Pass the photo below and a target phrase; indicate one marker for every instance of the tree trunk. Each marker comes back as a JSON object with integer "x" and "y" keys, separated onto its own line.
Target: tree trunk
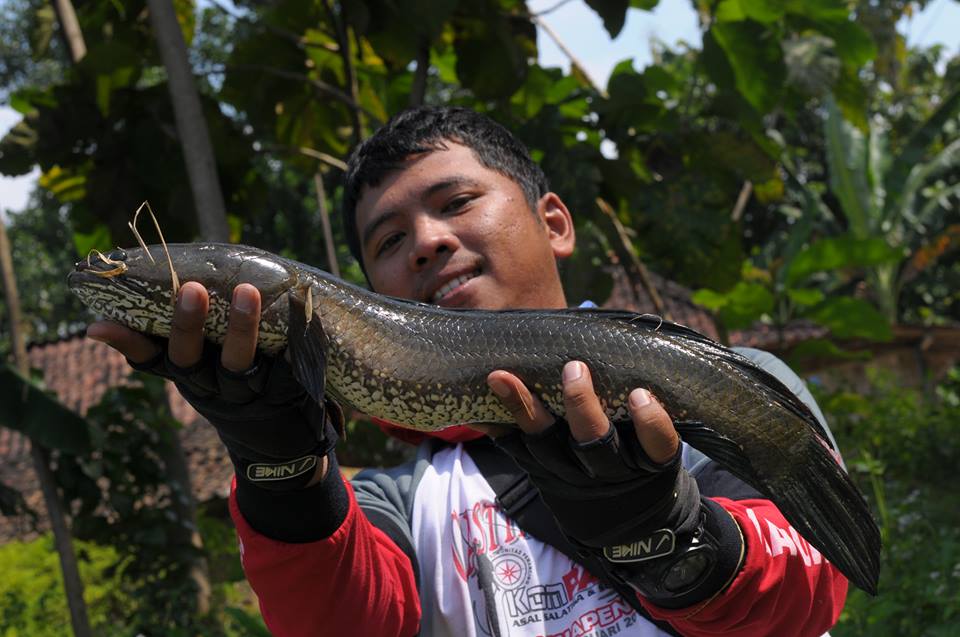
{"x": 212, "y": 217}
{"x": 72, "y": 585}
{"x": 191, "y": 127}
{"x": 70, "y": 28}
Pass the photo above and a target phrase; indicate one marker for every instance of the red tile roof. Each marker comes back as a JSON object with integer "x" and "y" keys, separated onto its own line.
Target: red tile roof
{"x": 80, "y": 371}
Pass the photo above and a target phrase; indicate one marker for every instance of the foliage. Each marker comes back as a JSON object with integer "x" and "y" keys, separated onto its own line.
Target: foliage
{"x": 122, "y": 495}
{"x": 841, "y": 134}
{"x": 32, "y": 601}
{"x": 872, "y": 210}
{"x": 902, "y": 449}
{"x": 25, "y": 407}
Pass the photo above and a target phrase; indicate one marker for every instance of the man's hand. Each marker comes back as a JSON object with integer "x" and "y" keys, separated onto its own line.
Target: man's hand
{"x": 607, "y": 485}
{"x": 186, "y": 335}
{"x": 259, "y": 410}
{"x": 585, "y": 415}
{"x": 619, "y": 491}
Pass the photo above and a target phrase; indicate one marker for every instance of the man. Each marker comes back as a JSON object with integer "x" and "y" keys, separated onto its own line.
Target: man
{"x": 444, "y": 206}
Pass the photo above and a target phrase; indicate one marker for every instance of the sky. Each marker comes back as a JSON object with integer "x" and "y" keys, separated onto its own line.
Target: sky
{"x": 672, "y": 22}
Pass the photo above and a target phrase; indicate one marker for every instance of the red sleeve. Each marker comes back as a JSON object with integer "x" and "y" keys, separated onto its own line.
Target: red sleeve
{"x": 355, "y": 582}
{"x": 786, "y": 587}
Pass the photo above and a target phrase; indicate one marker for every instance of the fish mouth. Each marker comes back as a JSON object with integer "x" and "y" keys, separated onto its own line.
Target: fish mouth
{"x": 452, "y": 284}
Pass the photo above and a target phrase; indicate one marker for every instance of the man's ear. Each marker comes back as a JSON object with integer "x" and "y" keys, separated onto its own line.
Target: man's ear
{"x": 559, "y": 223}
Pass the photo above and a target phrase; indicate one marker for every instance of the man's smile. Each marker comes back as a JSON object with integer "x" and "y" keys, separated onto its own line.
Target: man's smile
{"x": 452, "y": 285}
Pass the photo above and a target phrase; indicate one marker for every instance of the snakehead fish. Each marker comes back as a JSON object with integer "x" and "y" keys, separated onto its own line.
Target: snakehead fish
{"x": 425, "y": 367}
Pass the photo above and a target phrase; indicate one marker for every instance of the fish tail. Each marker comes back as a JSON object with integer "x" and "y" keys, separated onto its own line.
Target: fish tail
{"x": 826, "y": 508}
{"x": 818, "y": 498}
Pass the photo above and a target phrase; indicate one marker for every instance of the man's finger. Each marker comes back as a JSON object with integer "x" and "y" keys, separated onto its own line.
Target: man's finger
{"x": 240, "y": 343}
{"x": 653, "y": 425}
{"x": 528, "y": 412}
{"x": 134, "y": 345}
{"x": 587, "y": 419}
{"x": 186, "y": 331}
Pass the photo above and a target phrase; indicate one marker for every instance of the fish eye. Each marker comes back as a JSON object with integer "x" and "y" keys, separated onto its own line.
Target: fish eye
{"x": 117, "y": 255}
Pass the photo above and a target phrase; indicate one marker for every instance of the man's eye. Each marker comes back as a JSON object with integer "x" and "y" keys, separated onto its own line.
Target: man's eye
{"x": 388, "y": 243}
{"x": 457, "y": 203}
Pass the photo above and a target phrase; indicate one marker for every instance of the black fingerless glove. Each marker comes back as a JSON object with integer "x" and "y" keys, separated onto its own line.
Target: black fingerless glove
{"x": 643, "y": 518}
{"x": 275, "y": 433}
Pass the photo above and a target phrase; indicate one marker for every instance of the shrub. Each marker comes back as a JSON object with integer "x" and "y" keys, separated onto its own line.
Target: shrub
{"x": 32, "y": 600}
{"x": 903, "y": 449}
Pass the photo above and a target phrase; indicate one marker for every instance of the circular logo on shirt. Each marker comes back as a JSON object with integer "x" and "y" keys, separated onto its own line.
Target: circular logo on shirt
{"x": 511, "y": 570}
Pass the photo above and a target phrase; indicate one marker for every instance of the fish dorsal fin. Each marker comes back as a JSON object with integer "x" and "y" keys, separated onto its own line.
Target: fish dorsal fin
{"x": 770, "y": 384}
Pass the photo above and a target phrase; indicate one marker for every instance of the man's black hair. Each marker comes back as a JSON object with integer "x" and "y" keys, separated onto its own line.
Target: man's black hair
{"x": 429, "y": 128}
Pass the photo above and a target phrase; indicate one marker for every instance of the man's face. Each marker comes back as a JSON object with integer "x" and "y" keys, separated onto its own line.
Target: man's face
{"x": 444, "y": 229}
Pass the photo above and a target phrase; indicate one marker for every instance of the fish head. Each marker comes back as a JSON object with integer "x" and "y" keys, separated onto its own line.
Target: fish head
{"x": 136, "y": 288}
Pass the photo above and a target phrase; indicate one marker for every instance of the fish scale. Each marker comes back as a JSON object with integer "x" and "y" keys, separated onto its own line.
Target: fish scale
{"x": 425, "y": 367}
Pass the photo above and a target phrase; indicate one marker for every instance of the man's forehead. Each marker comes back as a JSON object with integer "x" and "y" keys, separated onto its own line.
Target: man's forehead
{"x": 425, "y": 174}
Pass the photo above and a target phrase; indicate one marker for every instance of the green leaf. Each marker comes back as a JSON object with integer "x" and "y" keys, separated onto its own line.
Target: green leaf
{"x": 920, "y": 140}
{"x": 730, "y": 11}
{"x": 841, "y": 252}
{"x": 41, "y": 32}
{"x": 764, "y": 11}
{"x": 819, "y": 10}
{"x": 851, "y": 95}
{"x": 820, "y": 349}
{"x": 756, "y": 59}
{"x": 492, "y": 55}
{"x": 805, "y": 296}
{"x": 27, "y": 409}
{"x": 612, "y": 12}
{"x": 847, "y": 317}
{"x": 17, "y": 150}
{"x": 739, "y": 307}
{"x": 847, "y": 159}
{"x": 947, "y": 159}
{"x": 97, "y": 239}
{"x": 64, "y": 184}
{"x": 853, "y": 43}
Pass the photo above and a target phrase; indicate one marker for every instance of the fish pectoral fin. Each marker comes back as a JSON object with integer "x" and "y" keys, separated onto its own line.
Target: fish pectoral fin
{"x": 718, "y": 447}
{"x": 307, "y": 345}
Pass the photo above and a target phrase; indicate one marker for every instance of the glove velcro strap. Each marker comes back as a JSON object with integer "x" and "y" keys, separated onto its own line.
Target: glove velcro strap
{"x": 702, "y": 564}
{"x": 297, "y": 515}
{"x": 278, "y": 471}
{"x": 278, "y": 475}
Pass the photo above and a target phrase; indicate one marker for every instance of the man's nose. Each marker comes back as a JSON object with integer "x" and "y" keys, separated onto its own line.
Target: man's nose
{"x": 433, "y": 237}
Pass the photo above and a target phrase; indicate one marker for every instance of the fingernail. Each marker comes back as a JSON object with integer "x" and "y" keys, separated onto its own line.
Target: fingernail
{"x": 96, "y": 337}
{"x": 572, "y": 371}
{"x": 639, "y": 398}
{"x": 499, "y": 387}
{"x": 189, "y": 299}
{"x": 242, "y": 300}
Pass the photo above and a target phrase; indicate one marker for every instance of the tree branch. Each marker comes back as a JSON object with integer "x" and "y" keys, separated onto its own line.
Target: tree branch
{"x": 322, "y": 87}
{"x": 419, "y": 89}
{"x": 642, "y": 276}
{"x": 344, "y": 43}
{"x": 295, "y": 38}
{"x": 325, "y": 222}
{"x": 70, "y": 28}
{"x": 563, "y": 47}
{"x": 742, "y": 200}
{"x": 329, "y": 160}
